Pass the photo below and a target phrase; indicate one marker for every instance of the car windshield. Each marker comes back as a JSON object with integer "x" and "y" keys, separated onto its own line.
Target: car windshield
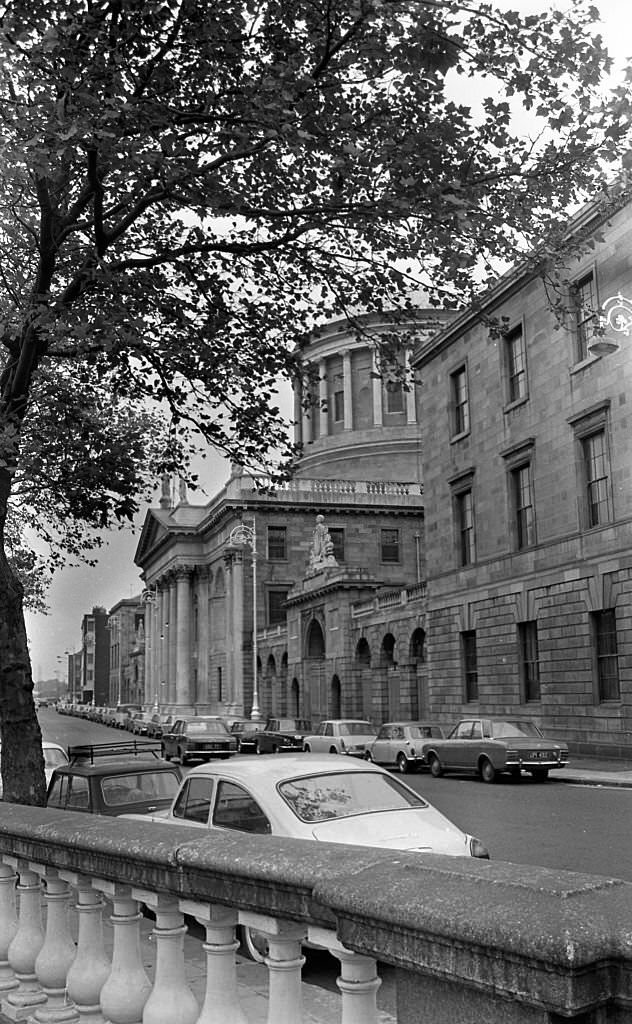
{"x": 216, "y": 727}
{"x": 137, "y": 786}
{"x": 54, "y": 757}
{"x": 356, "y": 729}
{"x": 315, "y": 798}
{"x": 515, "y": 729}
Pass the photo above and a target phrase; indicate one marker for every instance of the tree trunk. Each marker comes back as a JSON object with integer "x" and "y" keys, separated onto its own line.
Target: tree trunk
{"x": 22, "y": 760}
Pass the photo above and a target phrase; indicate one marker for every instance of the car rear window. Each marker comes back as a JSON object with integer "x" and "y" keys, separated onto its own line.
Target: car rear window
{"x": 216, "y": 728}
{"x": 315, "y": 798}
{"x": 137, "y": 786}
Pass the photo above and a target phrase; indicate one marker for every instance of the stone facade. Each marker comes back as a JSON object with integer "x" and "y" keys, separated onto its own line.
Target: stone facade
{"x": 528, "y": 498}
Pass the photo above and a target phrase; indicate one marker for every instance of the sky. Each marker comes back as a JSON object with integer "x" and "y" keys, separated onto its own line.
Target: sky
{"x": 76, "y": 590}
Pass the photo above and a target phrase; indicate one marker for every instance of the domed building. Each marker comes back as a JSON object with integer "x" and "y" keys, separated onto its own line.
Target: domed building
{"x": 308, "y": 602}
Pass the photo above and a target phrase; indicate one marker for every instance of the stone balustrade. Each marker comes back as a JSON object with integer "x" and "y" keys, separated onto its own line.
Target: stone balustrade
{"x": 470, "y": 940}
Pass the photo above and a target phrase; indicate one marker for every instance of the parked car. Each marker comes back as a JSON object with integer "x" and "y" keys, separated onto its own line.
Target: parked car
{"x": 238, "y": 726}
{"x": 399, "y": 744}
{"x": 139, "y": 722}
{"x": 312, "y": 796}
{"x": 201, "y": 737}
{"x": 123, "y": 712}
{"x": 279, "y": 734}
{"x": 54, "y": 756}
{"x": 489, "y": 746}
{"x": 158, "y": 723}
{"x": 340, "y": 736}
{"x": 112, "y": 778}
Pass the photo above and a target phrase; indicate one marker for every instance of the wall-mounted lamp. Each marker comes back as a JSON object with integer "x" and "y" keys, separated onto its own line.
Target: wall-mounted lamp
{"x": 616, "y": 316}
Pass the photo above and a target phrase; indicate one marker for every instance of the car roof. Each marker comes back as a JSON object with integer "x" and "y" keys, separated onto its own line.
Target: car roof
{"x": 411, "y": 721}
{"x": 364, "y": 721}
{"x": 276, "y": 769}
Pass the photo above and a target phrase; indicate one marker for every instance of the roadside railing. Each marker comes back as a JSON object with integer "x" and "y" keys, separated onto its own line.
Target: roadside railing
{"x": 470, "y": 940}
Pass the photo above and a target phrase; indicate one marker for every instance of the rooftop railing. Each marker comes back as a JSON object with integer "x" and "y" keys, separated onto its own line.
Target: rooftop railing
{"x": 469, "y": 940}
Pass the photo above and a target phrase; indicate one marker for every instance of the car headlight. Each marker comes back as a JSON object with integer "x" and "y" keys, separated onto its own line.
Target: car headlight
{"x": 477, "y": 849}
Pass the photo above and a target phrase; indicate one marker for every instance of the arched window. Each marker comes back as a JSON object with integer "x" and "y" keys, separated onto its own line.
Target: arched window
{"x": 388, "y": 649}
{"x": 315, "y": 641}
{"x": 418, "y": 645}
{"x": 295, "y": 695}
{"x": 363, "y": 652}
{"x": 335, "y": 703}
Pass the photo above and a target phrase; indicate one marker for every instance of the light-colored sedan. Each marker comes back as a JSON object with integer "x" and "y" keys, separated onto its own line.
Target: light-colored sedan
{"x": 315, "y": 797}
{"x": 341, "y": 736}
{"x": 399, "y": 744}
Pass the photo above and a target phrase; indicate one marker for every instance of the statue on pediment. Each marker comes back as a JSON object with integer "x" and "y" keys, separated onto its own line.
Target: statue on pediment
{"x": 321, "y": 555}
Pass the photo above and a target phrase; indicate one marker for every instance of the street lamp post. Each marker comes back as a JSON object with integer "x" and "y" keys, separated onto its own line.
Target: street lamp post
{"x": 243, "y": 534}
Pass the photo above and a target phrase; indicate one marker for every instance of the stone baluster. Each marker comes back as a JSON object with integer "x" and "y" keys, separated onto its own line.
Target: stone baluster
{"x": 25, "y": 946}
{"x": 221, "y": 1001}
{"x": 57, "y": 953}
{"x": 127, "y": 988}
{"x": 91, "y": 967}
{"x": 358, "y": 981}
{"x": 171, "y": 1000}
{"x": 8, "y": 926}
{"x": 284, "y": 962}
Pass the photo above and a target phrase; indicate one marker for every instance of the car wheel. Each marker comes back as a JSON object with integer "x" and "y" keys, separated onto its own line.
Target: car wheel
{"x": 436, "y": 769}
{"x": 275, "y": 748}
{"x": 487, "y": 770}
{"x": 258, "y": 749}
{"x": 252, "y": 944}
{"x": 307, "y": 749}
{"x": 540, "y": 774}
{"x": 402, "y": 764}
{"x": 333, "y": 750}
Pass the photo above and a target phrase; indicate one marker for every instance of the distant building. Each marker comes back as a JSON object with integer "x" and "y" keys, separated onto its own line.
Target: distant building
{"x": 126, "y": 625}
{"x": 95, "y": 658}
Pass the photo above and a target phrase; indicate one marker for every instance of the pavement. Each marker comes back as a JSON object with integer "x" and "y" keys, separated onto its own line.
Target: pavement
{"x": 595, "y": 771}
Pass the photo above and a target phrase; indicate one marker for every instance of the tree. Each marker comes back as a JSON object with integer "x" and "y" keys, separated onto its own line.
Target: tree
{"x": 187, "y": 188}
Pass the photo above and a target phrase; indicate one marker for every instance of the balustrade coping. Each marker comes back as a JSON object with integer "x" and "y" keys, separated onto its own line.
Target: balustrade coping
{"x": 552, "y": 939}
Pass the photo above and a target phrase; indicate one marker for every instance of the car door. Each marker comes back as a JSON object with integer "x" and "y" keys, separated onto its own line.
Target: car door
{"x": 459, "y": 752}
{"x": 170, "y": 738}
{"x": 381, "y": 747}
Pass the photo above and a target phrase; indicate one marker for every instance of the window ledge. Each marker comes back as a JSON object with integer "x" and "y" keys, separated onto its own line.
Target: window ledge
{"x": 459, "y": 437}
{"x": 517, "y": 402}
{"x": 584, "y": 364}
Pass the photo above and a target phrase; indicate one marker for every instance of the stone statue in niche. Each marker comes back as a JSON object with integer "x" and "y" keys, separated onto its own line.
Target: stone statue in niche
{"x": 321, "y": 555}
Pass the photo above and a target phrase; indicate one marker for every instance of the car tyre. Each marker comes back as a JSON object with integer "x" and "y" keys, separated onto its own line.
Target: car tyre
{"x": 402, "y": 764}
{"x": 252, "y": 944}
{"x": 488, "y": 772}
{"x": 257, "y": 747}
{"x": 275, "y": 748}
{"x": 436, "y": 769}
{"x": 307, "y": 749}
{"x": 333, "y": 750}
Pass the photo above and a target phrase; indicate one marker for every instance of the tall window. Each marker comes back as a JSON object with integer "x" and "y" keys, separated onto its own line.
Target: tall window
{"x": 605, "y": 638}
{"x": 470, "y": 669}
{"x": 523, "y": 506}
{"x": 339, "y": 406}
{"x": 529, "y": 660}
{"x": 276, "y": 607}
{"x": 337, "y": 535}
{"x": 394, "y": 396}
{"x": 389, "y": 545}
{"x": 585, "y": 302}
{"x": 516, "y": 365}
{"x": 596, "y": 478}
{"x": 464, "y": 506}
{"x": 277, "y": 550}
{"x": 459, "y": 401}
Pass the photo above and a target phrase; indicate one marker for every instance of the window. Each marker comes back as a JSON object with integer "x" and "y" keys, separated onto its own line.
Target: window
{"x": 470, "y": 672}
{"x": 605, "y": 642}
{"x": 516, "y": 365}
{"x": 389, "y": 543}
{"x": 339, "y": 406}
{"x": 394, "y": 394}
{"x": 337, "y": 535}
{"x": 585, "y": 304}
{"x": 464, "y": 507}
{"x": 276, "y": 607}
{"x": 236, "y": 808}
{"x": 220, "y": 684}
{"x": 459, "y": 402}
{"x": 277, "y": 550}
{"x": 194, "y": 800}
{"x": 529, "y": 663}
{"x": 523, "y": 506}
{"x": 596, "y": 478}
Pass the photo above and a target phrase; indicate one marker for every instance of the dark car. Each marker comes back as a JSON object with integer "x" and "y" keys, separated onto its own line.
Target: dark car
{"x": 114, "y": 778}
{"x": 201, "y": 737}
{"x": 238, "y": 726}
{"x": 279, "y": 734}
{"x": 159, "y": 722}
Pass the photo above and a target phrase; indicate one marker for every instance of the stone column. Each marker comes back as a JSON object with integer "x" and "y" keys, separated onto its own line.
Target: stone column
{"x": 203, "y": 635}
{"x": 57, "y": 953}
{"x": 161, "y": 642}
{"x": 183, "y": 638}
{"x": 171, "y": 1000}
{"x": 322, "y": 395}
{"x": 150, "y": 618}
{"x": 128, "y": 987}
{"x": 170, "y": 641}
{"x": 298, "y": 412}
{"x": 221, "y": 1000}
{"x": 236, "y": 693}
{"x": 91, "y": 967}
{"x": 348, "y": 389}
{"x": 229, "y": 634}
{"x": 25, "y": 946}
{"x": 378, "y": 417}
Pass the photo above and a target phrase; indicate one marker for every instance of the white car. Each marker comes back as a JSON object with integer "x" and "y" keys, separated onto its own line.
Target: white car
{"x": 54, "y": 756}
{"x": 341, "y": 736}
{"x": 318, "y": 797}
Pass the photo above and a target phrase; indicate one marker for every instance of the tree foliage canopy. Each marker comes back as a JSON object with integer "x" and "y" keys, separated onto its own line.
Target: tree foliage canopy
{"x": 186, "y": 188}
